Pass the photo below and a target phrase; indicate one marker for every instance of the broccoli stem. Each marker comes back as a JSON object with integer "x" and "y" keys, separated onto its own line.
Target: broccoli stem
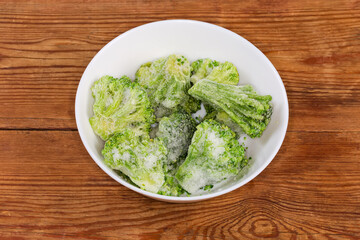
{"x": 243, "y": 105}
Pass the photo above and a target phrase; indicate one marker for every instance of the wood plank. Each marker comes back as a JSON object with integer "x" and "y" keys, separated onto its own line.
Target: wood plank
{"x": 45, "y": 47}
{"x": 50, "y": 188}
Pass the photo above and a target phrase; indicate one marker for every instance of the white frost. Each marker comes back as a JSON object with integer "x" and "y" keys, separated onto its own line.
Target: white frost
{"x": 218, "y": 144}
{"x": 109, "y": 101}
{"x": 217, "y": 152}
{"x": 198, "y": 180}
{"x": 150, "y": 161}
{"x": 116, "y": 155}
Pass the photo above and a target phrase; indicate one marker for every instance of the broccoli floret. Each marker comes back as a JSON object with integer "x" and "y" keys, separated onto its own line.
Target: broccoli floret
{"x": 120, "y": 104}
{"x": 150, "y": 75}
{"x": 161, "y": 111}
{"x": 214, "y": 155}
{"x": 171, "y": 187}
{"x": 190, "y": 104}
{"x": 215, "y": 71}
{"x": 176, "y": 132}
{"x": 244, "y": 106}
{"x": 202, "y": 68}
{"x": 140, "y": 158}
{"x": 224, "y": 118}
{"x": 166, "y": 80}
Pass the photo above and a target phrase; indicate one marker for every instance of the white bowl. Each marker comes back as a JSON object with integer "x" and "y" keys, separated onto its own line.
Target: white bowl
{"x": 194, "y": 40}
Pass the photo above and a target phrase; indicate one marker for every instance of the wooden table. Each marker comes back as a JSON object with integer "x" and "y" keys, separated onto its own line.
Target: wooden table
{"x": 50, "y": 187}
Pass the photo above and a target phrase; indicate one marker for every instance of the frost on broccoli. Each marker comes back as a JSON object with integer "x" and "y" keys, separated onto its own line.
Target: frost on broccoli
{"x": 171, "y": 187}
{"x": 215, "y": 71}
{"x": 214, "y": 155}
{"x": 120, "y": 104}
{"x": 150, "y": 74}
{"x": 224, "y": 118}
{"x": 166, "y": 80}
{"x": 242, "y": 104}
{"x": 190, "y": 104}
{"x": 140, "y": 158}
{"x": 176, "y": 132}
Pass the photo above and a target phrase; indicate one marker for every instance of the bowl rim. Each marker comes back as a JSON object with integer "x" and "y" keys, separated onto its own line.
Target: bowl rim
{"x": 114, "y": 176}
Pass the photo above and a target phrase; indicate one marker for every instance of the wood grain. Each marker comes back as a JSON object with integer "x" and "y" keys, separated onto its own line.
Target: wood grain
{"x": 51, "y": 189}
{"x": 45, "y": 47}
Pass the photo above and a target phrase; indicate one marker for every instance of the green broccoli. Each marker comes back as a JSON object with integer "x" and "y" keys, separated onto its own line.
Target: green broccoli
{"x": 171, "y": 187}
{"x": 120, "y": 104}
{"x": 214, "y": 155}
{"x": 215, "y": 71}
{"x": 166, "y": 80}
{"x": 140, "y": 158}
{"x": 190, "y": 104}
{"x": 244, "y": 106}
{"x": 202, "y": 68}
{"x": 176, "y": 132}
{"x": 224, "y": 118}
{"x": 150, "y": 75}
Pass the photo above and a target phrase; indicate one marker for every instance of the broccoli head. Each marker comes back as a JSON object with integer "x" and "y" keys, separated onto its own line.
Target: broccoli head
{"x": 150, "y": 75}
{"x": 176, "y": 132}
{"x": 242, "y": 104}
{"x": 140, "y": 158}
{"x": 166, "y": 80}
{"x": 120, "y": 104}
{"x": 224, "y": 118}
{"x": 214, "y": 155}
{"x": 215, "y": 71}
{"x": 171, "y": 187}
{"x": 190, "y": 104}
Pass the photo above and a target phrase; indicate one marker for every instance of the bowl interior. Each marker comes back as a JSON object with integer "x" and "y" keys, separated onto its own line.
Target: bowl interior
{"x": 194, "y": 40}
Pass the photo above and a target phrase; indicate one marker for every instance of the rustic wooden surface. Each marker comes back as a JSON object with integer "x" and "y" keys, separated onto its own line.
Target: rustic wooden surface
{"x": 50, "y": 188}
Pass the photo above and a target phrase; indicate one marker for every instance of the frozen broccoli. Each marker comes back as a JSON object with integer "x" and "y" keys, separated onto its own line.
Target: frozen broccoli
{"x": 161, "y": 111}
{"x": 171, "y": 187}
{"x": 140, "y": 158}
{"x": 215, "y": 71}
{"x": 244, "y": 106}
{"x": 150, "y": 75}
{"x": 214, "y": 155}
{"x": 202, "y": 68}
{"x": 120, "y": 104}
{"x": 190, "y": 104}
{"x": 224, "y": 118}
{"x": 166, "y": 80}
{"x": 176, "y": 132}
